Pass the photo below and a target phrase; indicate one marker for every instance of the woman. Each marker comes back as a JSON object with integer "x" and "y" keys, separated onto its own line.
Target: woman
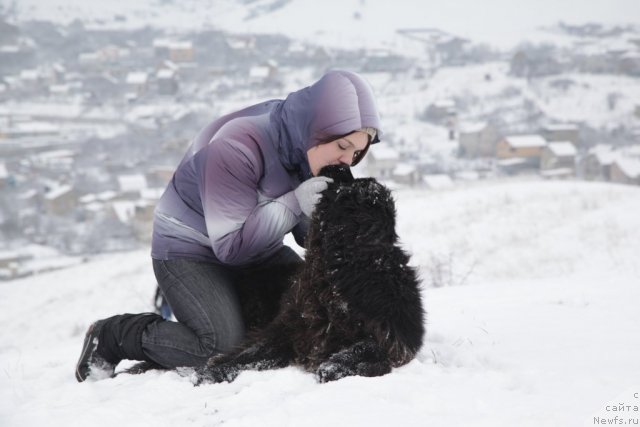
{"x": 247, "y": 179}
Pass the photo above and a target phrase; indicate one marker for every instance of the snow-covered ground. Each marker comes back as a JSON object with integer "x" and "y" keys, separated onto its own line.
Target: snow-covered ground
{"x": 543, "y": 329}
{"x": 489, "y": 87}
{"x": 343, "y": 23}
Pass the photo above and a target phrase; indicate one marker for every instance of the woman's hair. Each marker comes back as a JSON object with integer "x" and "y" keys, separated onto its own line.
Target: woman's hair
{"x": 358, "y": 155}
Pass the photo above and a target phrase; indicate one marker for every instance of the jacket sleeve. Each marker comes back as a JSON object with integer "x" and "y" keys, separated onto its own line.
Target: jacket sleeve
{"x": 241, "y": 226}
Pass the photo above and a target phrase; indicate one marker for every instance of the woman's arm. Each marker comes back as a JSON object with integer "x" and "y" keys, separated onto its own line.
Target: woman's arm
{"x": 242, "y": 228}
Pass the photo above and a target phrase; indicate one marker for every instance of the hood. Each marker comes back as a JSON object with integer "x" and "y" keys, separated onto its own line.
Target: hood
{"x": 339, "y": 103}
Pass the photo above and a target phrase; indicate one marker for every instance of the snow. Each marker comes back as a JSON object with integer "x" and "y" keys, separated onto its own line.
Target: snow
{"x": 166, "y": 74}
{"x": 58, "y": 191}
{"x": 106, "y": 195}
{"x": 185, "y": 45}
{"x": 137, "y": 78}
{"x": 515, "y": 161}
{"x": 604, "y": 154}
{"x": 125, "y": 210}
{"x": 562, "y": 148}
{"x": 87, "y": 198}
{"x": 33, "y": 128}
{"x": 630, "y": 167}
{"x": 383, "y": 152}
{"x": 586, "y": 100}
{"x": 151, "y": 193}
{"x": 542, "y": 332}
{"x": 132, "y": 183}
{"x": 42, "y": 109}
{"x": 558, "y": 172}
{"x": 560, "y": 127}
{"x": 345, "y": 23}
{"x": 404, "y": 169}
{"x": 32, "y": 259}
{"x": 468, "y": 128}
{"x": 437, "y": 181}
{"x": 523, "y": 141}
{"x": 259, "y": 72}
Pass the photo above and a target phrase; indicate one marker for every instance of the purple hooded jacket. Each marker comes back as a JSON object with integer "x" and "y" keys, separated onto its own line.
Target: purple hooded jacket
{"x": 231, "y": 199}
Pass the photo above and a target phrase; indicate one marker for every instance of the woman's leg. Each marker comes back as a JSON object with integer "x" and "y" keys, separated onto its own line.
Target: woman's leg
{"x": 204, "y": 299}
{"x": 204, "y": 302}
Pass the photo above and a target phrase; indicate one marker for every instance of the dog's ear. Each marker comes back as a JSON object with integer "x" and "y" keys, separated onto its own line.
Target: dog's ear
{"x": 341, "y": 174}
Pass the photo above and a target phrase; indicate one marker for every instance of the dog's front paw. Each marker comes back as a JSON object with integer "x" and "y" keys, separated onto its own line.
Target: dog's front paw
{"x": 214, "y": 374}
{"x": 331, "y": 371}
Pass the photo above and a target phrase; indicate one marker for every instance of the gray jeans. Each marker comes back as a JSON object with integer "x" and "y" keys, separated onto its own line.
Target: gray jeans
{"x": 207, "y": 309}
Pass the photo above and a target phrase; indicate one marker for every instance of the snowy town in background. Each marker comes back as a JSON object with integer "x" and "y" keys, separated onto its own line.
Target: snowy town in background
{"x": 94, "y": 118}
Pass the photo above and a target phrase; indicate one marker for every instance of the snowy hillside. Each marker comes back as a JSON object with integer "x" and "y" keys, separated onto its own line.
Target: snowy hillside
{"x": 541, "y": 330}
{"x": 503, "y": 96}
{"x": 341, "y": 23}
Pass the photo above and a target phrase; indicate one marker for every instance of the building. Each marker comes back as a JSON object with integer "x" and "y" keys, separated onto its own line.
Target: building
{"x": 596, "y": 165}
{"x": 562, "y": 132}
{"x": 241, "y": 42}
{"x": 60, "y": 201}
{"x": 519, "y": 154}
{"x": 181, "y": 52}
{"x": 10, "y": 264}
{"x": 558, "y": 159}
{"x": 406, "y": 174}
{"x": 477, "y": 140}
{"x": 625, "y": 171}
{"x": 159, "y": 176}
{"x": 382, "y": 161}
{"x": 263, "y": 74}
{"x": 132, "y": 185}
{"x": 441, "y": 111}
{"x": 629, "y": 63}
{"x": 167, "y": 82}
{"x": 137, "y": 82}
{"x": 4, "y": 176}
{"x": 527, "y": 147}
{"x": 161, "y": 48}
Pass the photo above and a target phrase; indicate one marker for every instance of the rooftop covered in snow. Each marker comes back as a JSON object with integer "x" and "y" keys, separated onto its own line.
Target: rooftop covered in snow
{"x": 523, "y": 141}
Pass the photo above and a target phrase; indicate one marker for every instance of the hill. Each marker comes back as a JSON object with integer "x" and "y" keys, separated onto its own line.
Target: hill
{"x": 336, "y": 23}
{"x": 539, "y": 332}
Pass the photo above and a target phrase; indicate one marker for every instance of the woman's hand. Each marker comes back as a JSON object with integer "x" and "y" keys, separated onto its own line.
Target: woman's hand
{"x": 308, "y": 193}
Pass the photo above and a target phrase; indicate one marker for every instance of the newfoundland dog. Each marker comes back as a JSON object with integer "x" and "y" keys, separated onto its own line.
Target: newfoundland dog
{"x": 352, "y": 308}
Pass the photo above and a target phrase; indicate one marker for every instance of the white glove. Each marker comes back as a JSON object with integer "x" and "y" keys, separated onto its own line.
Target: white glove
{"x": 308, "y": 193}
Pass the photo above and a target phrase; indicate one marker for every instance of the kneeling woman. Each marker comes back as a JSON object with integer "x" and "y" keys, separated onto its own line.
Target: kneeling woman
{"x": 247, "y": 180}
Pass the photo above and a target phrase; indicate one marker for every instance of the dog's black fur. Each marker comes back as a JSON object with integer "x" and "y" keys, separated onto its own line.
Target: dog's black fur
{"x": 354, "y": 306}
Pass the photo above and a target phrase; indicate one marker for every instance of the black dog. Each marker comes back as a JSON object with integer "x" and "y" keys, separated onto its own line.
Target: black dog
{"x": 354, "y": 306}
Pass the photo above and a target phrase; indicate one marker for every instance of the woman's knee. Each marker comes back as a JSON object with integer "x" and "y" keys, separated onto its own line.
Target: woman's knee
{"x": 225, "y": 337}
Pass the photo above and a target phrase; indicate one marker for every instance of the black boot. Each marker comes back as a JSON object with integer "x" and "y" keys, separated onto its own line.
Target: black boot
{"x": 91, "y": 362}
{"x": 111, "y": 340}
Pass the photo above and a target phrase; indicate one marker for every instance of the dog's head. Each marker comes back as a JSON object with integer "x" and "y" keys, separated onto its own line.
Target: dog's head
{"x": 354, "y": 212}
{"x": 341, "y": 174}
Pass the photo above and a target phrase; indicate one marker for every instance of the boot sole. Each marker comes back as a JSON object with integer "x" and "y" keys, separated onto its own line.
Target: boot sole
{"x": 85, "y": 355}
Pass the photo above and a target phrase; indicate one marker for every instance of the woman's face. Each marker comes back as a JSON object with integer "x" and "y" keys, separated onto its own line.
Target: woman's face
{"x": 338, "y": 151}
